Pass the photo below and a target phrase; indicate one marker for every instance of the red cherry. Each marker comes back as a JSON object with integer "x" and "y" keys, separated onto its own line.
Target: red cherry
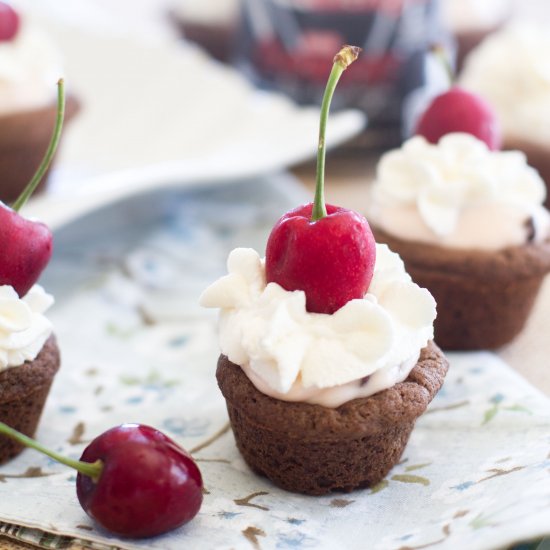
{"x": 326, "y": 251}
{"x": 458, "y": 110}
{"x": 25, "y": 249}
{"x": 26, "y": 245}
{"x": 148, "y": 484}
{"x": 331, "y": 259}
{"x": 132, "y": 479}
{"x": 9, "y": 22}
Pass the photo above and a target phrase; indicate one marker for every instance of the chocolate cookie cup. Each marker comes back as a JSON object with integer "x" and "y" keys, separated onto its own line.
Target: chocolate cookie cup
{"x": 314, "y": 450}
{"x": 24, "y": 139}
{"x": 23, "y": 392}
{"x": 483, "y": 297}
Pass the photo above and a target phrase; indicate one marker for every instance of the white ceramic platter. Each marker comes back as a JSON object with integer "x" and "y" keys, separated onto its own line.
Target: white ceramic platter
{"x": 150, "y": 98}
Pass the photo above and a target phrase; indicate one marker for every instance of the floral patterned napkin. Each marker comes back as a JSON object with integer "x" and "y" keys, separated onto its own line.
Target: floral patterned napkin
{"x": 136, "y": 347}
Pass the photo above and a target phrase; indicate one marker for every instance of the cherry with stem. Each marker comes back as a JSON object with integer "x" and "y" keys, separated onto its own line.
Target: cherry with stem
{"x": 324, "y": 250}
{"x": 26, "y": 245}
{"x": 132, "y": 479}
{"x": 343, "y": 59}
{"x": 458, "y": 110}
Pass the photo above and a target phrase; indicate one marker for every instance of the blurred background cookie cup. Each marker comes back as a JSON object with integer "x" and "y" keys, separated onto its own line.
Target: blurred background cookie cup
{"x": 211, "y": 24}
{"x": 30, "y": 66}
{"x": 24, "y": 138}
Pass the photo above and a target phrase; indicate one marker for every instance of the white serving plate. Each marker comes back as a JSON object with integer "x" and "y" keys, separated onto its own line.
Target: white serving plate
{"x": 149, "y": 98}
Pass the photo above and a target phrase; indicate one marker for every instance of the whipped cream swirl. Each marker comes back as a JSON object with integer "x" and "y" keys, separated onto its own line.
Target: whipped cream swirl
{"x": 295, "y": 355}
{"x": 511, "y": 69}
{"x": 460, "y": 194}
{"x": 23, "y": 328}
{"x": 30, "y": 66}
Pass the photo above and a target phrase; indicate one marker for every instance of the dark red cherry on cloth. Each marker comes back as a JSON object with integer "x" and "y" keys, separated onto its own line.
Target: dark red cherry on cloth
{"x": 331, "y": 259}
{"x": 9, "y": 22}
{"x": 148, "y": 484}
{"x": 26, "y": 245}
{"x": 132, "y": 479}
{"x": 327, "y": 251}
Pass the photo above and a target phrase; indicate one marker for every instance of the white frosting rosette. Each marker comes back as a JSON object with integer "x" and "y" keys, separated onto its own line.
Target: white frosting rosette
{"x": 295, "y": 355}
{"x": 23, "y": 328}
{"x": 458, "y": 193}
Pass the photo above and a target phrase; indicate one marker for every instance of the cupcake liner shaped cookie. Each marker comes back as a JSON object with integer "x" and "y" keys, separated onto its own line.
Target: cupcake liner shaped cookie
{"x": 29, "y": 67}
{"x": 327, "y": 357}
{"x": 29, "y": 356}
{"x": 470, "y": 226}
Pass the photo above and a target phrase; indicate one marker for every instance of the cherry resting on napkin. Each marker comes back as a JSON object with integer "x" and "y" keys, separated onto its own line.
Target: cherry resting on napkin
{"x": 327, "y": 251}
{"x": 9, "y": 22}
{"x": 132, "y": 479}
{"x": 26, "y": 245}
{"x": 458, "y": 110}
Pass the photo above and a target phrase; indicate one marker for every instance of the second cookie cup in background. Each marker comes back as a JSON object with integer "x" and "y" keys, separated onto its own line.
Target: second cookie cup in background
{"x": 483, "y": 297}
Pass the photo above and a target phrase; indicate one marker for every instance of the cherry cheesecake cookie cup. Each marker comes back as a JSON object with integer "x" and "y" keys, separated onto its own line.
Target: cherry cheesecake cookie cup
{"x": 29, "y": 68}
{"x": 324, "y": 402}
{"x": 470, "y": 226}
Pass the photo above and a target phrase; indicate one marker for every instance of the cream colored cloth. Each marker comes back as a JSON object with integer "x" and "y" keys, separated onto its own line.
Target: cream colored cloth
{"x": 137, "y": 347}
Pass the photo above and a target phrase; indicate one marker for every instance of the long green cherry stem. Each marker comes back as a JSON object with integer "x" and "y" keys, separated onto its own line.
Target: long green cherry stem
{"x": 342, "y": 60}
{"x": 50, "y": 152}
{"x": 90, "y": 469}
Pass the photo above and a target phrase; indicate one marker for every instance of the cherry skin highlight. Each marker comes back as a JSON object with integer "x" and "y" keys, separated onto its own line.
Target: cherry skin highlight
{"x": 9, "y": 22}
{"x": 458, "y": 110}
{"x": 331, "y": 259}
{"x": 25, "y": 247}
{"x": 148, "y": 485}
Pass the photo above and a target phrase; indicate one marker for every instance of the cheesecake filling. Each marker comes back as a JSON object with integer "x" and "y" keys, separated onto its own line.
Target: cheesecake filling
{"x": 366, "y": 346}
{"x": 23, "y": 327}
{"x": 459, "y": 194}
